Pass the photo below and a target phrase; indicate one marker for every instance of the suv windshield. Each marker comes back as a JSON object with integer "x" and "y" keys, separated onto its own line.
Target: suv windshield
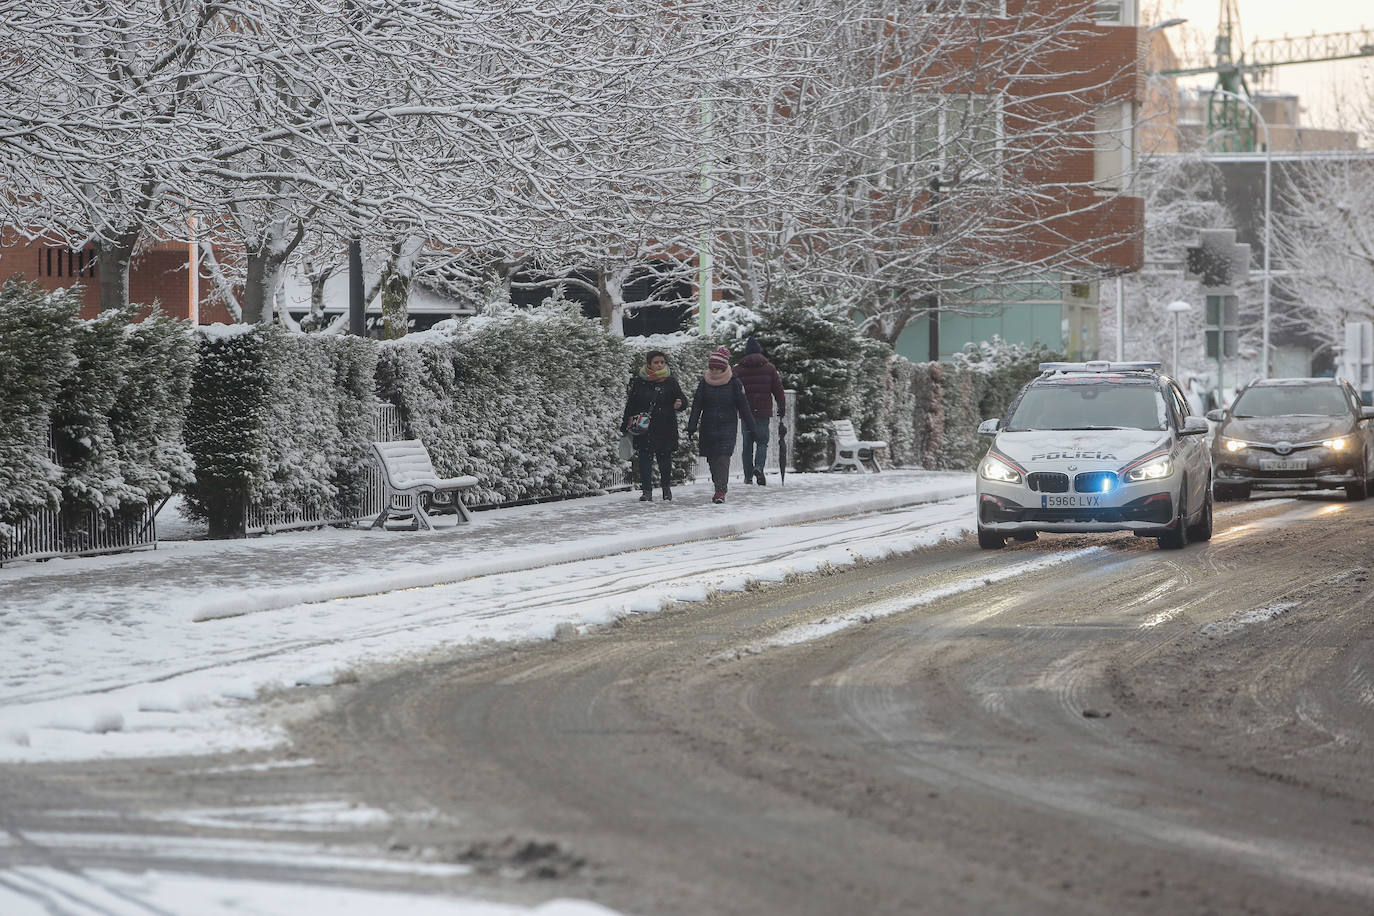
{"x": 1089, "y": 405}
{"x": 1290, "y": 400}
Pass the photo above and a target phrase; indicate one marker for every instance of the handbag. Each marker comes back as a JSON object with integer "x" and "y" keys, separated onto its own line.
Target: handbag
{"x": 639, "y": 423}
{"x": 626, "y": 449}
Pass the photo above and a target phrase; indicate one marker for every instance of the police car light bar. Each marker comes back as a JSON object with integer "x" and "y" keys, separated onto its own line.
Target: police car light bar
{"x": 1099, "y": 365}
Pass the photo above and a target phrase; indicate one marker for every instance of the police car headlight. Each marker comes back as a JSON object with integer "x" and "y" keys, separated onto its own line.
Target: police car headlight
{"x": 1155, "y": 470}
{"x": 1337, "y": 445}
{"x": 1233, "y": 445}
{"x": 1000, "y": 471}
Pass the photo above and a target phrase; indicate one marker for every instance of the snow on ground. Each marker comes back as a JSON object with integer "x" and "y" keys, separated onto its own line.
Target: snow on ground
{"x": 155, "y": 652}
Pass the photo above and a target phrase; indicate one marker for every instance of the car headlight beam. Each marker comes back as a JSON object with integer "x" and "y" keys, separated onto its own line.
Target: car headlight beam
{"x": 1339, "y": 444}
{"x": 999, "y": 471}
{"x": 1234, "y": 445}
{"x": 1154, "y": 470}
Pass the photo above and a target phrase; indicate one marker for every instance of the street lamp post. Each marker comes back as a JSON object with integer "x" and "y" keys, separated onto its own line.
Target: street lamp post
{"x": 1177, "y": 308}
{"x": 1268, "y": 220}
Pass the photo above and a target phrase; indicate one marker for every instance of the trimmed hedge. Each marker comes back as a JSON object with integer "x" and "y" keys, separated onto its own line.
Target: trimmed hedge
{"x": 111, "y": 390}
{"x": 283, "y": 420}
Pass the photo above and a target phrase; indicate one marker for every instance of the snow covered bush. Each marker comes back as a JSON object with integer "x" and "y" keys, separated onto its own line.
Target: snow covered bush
{"x": 277, "y": 419}
{"x": 36, "y": 353}
{"x": 527, "y": 401}
{"x": 118, "y": 419}
{"x": 820, "y": 352}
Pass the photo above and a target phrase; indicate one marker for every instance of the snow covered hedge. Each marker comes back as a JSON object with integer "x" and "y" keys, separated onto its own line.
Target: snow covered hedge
{"x": 112, "y": 391}
{"x": 283, "y": 420}
{"x": 36, "y": 353}
{"x": 526, "y": 400}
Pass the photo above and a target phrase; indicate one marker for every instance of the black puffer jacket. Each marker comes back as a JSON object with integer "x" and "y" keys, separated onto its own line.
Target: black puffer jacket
{"x": 657, "y": 398}
{"x": 714, "y": 409}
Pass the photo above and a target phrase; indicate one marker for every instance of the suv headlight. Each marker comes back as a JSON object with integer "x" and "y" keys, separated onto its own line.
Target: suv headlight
{"x": 1234, "y": 445}
{"x": 1154, "y": 470}
{"x": 1000, "y": 471}
{"x": 1339, "y": 444}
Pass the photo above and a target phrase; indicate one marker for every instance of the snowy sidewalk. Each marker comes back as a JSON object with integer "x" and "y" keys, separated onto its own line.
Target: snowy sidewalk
{"x": 149, "y": 652}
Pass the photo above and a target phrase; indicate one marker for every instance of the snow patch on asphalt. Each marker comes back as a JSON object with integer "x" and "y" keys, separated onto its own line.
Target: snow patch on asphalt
{"x": 880, "y": 609}
{"x": 1242, "y": 619}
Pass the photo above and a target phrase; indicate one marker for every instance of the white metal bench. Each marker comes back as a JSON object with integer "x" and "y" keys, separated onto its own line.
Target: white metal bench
{"x": 853, "y": 452}
{"x": 407, "y": 475}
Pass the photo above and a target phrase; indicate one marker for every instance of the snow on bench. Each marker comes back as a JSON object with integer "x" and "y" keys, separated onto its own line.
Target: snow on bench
{"x": 407, "y": 474}
{"x": 853, "y": 452}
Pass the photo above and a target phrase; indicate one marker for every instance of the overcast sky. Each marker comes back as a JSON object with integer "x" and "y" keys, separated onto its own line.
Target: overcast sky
{"x": 1317, "y": 84}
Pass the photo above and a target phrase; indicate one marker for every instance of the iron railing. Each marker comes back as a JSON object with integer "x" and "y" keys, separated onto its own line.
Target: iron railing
{"x": 387, "y": 426}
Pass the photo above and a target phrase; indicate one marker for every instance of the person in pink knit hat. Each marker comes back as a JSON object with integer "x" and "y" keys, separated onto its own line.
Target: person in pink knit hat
{"x": 718, "y": 407}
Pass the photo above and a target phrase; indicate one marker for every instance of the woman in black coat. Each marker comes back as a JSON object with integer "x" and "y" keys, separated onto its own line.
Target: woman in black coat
{"x": 718, "y": 401}
{"x": 654, "y": 391}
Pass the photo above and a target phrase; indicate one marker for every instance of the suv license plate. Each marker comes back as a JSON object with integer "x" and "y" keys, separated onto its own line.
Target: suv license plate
{"x": 1054, "y": 501}
{"x": 1283, "y": 464}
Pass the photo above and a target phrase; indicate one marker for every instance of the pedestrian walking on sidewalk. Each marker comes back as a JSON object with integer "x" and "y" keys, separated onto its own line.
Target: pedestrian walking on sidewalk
{"x": 718, "y": 401}
{"x": 763, "y": 386}
{"x": 653, "y": 400}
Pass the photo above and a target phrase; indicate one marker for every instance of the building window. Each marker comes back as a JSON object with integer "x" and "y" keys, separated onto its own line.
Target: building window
{"x": 64, "y": 262}
{"x": 1115, "y": 12}
{"x": 969, "y": 8}
{"x": 1114, "y": 147}
{"x": 954, "y": 138}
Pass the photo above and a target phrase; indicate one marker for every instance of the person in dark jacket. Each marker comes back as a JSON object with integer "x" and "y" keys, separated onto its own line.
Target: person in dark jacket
{"x": 719, "y": 399}
{"x": 763, "y": 386}
{"x": 654, "y": 391}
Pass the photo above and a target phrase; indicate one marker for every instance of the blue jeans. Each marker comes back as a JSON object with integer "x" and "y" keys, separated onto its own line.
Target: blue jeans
{"x": 755, "y": 450}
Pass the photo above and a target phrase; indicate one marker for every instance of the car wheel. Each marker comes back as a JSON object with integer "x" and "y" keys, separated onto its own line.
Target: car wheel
{"x": 1358, "y": 491}
{"x": 1178, "y": 538}
{"x": 990, "y": 540}
{"x": 1202, "y": 530}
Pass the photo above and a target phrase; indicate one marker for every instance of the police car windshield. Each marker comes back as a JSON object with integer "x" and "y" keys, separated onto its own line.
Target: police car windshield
{"x": 1291, "y": 400}
{"x": 1089, "y": 404}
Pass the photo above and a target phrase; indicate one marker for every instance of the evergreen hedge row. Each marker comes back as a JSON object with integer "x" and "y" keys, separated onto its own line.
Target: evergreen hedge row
{"x": 111, "y": 391}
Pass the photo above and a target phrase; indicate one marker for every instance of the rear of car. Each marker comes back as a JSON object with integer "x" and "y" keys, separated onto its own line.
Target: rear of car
{"x": 1096, "y": 446}
{"x": 1293, "y": 434}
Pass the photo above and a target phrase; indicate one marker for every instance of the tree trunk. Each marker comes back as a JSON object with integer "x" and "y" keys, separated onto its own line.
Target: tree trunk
{"x": 264, "y": 266}
{"x": 114, "y": 257}
{"x": 610, "y": 299}
{"x": 397, "y": 277}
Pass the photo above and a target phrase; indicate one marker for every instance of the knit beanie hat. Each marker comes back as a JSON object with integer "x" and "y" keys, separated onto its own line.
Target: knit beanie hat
{"x": 720, "y": 359}
{"x": 752, "y": 346}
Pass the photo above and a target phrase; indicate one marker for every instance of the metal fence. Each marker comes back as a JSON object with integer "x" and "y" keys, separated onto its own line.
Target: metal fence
{"x": 387, "y": 426}
{"x": 57, "y": 533}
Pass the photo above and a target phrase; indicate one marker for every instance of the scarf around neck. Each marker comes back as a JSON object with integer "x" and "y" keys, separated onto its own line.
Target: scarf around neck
{"x": 718, "y": 377}
{"x": 655, "y": 375}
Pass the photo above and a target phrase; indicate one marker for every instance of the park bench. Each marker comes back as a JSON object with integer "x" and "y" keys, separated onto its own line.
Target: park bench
{"x": 408, "y": 475}
{"x": 853, "y": 452}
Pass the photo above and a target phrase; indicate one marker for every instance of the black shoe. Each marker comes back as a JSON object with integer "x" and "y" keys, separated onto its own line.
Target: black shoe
{"x": 647, "y": 497}
{"x": 667, "y": 495}
{"x": 761, "y": 481}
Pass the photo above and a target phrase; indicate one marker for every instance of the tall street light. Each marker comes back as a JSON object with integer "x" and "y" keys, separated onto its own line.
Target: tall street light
{"x": 1177, "y": 308}
{"x": 1268, "y": 219}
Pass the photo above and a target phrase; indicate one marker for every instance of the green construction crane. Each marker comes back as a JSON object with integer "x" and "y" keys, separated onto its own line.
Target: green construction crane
{"x": 1230, "y": 123}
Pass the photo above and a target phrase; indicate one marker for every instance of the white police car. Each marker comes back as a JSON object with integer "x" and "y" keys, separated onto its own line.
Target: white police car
{"x": 1096, "y": 446}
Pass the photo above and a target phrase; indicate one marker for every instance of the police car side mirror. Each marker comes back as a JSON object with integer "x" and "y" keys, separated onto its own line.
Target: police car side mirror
{"x": 989, "y": 427}
{"x": 1194, "y": 426}
{"x": 1216, "y": 416}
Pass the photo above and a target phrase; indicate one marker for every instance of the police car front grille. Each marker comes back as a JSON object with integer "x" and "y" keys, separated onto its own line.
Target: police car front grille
{"x": 1095, "y": 482}
{"x": 1046, "y": 482}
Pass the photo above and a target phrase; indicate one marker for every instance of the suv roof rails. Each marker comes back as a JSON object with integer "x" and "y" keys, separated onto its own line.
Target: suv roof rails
{"x": 1100, "y": 365}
